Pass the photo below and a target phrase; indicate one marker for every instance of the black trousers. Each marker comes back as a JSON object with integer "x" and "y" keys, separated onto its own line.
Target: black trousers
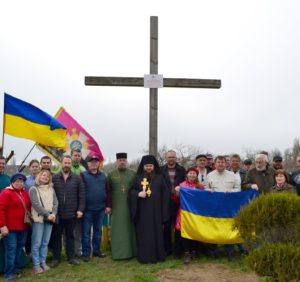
{"x": 58, "y": 229}
{"x": 189, "y": 245}
{"x": 178, "y": 244}
{"x": 28, "y": 241}
{"x": 168, "y": 237}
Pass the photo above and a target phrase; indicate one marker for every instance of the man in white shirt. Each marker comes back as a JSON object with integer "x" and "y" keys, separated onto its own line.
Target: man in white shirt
{"x": 222, "y": 180}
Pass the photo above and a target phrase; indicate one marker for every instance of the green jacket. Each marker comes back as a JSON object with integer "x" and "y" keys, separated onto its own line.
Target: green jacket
{"x": 4, "y": 181}
{"x": 264, "y": 179}
{"x": 77, "y": 169}
{"x": 286, "y": 188}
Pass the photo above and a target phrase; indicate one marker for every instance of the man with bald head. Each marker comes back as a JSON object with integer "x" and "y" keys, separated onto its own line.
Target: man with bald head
{"x": 173, "y": 174}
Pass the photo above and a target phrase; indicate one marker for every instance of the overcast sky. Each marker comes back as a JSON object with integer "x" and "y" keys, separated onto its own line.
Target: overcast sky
{"x": 48, "y": 47}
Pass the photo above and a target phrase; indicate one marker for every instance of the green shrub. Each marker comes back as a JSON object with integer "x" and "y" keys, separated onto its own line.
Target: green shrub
{"x": 271, "y": 218}
{"x": 279, "y": 261}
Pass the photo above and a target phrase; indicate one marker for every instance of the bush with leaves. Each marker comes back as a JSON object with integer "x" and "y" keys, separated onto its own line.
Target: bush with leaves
{"x": 270, "y": 226}
{"x": 279, "y": 261}
{"x": 271, "y": 218}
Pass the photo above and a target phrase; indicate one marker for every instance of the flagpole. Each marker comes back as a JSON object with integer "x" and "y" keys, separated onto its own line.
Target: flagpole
{"x": 2, "y": 145}
{"x": 3, "y": 123}
{"x": 20, "y": 166}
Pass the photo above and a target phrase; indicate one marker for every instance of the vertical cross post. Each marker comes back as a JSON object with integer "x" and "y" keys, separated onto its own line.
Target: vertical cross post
{"x": 153, "y": 91}
{"x": 153, "y": 95}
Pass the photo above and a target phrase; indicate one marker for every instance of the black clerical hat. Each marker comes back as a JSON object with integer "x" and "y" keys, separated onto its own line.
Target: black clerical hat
{"x": 121, "y": 156}
{"x": 148, "y": 159}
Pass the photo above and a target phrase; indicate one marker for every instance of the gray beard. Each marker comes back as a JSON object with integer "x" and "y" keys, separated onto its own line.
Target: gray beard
{"x": 261, "y": 169}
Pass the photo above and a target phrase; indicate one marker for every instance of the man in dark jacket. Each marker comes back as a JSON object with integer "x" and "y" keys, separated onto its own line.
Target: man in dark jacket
{"x": 70, "y": 193}
{"x": 174, "y": 174}
{"x": 261, "y": 177}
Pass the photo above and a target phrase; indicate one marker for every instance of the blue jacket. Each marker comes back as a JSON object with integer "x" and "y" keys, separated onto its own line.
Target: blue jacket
{"x": 95, "y": 191}
{"x": 295, "y": 179}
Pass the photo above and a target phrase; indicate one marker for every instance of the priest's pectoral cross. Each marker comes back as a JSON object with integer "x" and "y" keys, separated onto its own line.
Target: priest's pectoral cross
{"x": 148, "y": 192}
{"x": 123, "y": 189}
{"x": 145, "y": 184}
{"x": 146, "y": 187}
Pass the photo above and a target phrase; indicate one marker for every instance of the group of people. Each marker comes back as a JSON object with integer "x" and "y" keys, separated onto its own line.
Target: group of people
{"x": 43, "y": 208}
{"x": 144, "y": 206}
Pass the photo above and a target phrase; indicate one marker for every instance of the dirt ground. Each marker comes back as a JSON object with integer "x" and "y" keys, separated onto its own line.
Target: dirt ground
{"x": 206, "y": 273}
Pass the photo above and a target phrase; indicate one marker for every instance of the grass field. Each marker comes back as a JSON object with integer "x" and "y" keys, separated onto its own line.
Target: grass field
{"x": 105, "y": 269}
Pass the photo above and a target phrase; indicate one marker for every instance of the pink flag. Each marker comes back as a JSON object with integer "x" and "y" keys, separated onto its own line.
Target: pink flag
{"x": 77, "y": 137}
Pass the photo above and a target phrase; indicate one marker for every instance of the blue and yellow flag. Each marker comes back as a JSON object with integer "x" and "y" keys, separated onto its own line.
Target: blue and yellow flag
{"x": 24, "y": 120}
{"x": 209, "y": 216}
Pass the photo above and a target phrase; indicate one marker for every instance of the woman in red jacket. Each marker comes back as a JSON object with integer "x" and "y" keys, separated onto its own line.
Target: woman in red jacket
{"x": 13, "y": 202}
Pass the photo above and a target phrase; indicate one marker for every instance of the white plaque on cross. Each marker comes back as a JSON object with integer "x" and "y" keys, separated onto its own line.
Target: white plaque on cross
{"x": 153, "y": 81}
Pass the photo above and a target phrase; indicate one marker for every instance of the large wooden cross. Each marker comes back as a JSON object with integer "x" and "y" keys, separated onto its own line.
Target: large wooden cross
{"x": 139, "y": 81}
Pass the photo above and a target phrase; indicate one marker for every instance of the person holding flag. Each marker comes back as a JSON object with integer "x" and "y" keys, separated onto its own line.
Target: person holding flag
{"x": 222, "y": 180}
{"x": 191, "y": 182}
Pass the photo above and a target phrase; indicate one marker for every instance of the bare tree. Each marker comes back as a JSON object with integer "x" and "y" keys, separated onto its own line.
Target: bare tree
{"x": 296, "y": 149}
{"x": 186, "y": 154}
{"x": 273, "y": 153}
{"x": 288, "y": 160}
{"x": 250, "y": 153}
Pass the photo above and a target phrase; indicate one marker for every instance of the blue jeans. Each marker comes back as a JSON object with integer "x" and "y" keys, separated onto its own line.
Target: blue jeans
{"x": 41, "y": 233}
{"x": 14, "y": 242}
{"x": 91, "y": 219}
{"x": 229, "y": 249}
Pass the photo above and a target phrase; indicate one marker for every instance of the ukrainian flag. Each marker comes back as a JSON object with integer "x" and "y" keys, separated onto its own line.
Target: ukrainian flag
{"x": 209, "y": 216}
{"x": 24, "y": 120}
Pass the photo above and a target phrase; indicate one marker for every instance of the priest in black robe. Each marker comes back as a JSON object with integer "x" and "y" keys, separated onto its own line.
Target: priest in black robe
{"x": 149, "y": 206}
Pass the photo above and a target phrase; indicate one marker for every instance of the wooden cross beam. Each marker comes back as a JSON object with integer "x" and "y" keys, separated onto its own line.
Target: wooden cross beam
{"x": 139, "y": 82}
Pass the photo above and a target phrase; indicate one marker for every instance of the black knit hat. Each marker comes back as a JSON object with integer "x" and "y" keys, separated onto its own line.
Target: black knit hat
{"x": 17, "y": 176}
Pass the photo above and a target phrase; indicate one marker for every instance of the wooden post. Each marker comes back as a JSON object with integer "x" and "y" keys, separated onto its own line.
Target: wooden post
{"x": 153, "y": 91}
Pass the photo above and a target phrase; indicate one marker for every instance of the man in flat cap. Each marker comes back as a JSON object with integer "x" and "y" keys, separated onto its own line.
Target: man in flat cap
{"x": 210, "y": 162}
{"x": 277, "y": 162}
{"x": 123, "y": 244}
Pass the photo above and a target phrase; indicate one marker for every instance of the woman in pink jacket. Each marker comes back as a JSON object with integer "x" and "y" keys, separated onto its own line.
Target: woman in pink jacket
{"x": 191, "y": 182}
